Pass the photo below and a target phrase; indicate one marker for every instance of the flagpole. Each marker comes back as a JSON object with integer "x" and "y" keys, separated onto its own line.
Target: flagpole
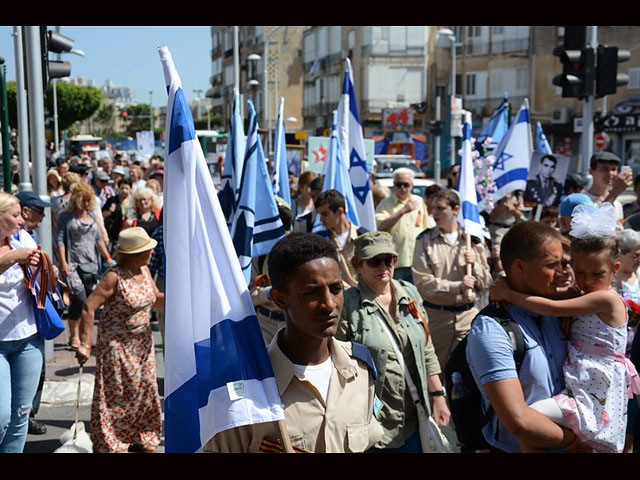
{"x": 469, "y": 265}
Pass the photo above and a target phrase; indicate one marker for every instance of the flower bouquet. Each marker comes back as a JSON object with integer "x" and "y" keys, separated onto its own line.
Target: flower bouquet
{"x": 634, "y": 313}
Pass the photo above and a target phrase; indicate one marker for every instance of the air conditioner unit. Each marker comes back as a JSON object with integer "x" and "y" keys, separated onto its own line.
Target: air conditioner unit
{"x": 560, "y": 115}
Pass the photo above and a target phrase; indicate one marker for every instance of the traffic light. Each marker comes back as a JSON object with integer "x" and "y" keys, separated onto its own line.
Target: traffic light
{"x": 56, "y": 43}
{"x": 607, "y": 76}
{"x": 578, "y": 64}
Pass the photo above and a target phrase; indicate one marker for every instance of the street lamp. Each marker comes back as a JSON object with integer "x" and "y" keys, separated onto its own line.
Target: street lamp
{"x": 448, "y": 34}
{"x": 291, "y": 120}
{"x": 265, "y": 86}
{"x": 253, "y": 83}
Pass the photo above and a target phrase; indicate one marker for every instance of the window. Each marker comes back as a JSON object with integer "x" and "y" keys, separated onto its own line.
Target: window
{"x": 634, "y": 78}
{"x": 471, "y": 84}
{"x": 474, "y": 32}
{"x": 522, "y": 78}
{"x": 351, "y": 39}
{"x": 496, "y": 30}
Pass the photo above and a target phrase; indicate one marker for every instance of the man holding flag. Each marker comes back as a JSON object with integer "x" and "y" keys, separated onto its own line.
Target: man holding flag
{"x": 448, "y": 269}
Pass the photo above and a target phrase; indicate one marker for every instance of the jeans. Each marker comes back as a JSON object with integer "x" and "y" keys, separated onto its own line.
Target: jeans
{"x": 20, "y": 366}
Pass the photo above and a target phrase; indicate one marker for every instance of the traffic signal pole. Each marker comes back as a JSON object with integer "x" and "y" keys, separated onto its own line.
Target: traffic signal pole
{"x": 23, "y": 116}
{"x": 587, "y": 115}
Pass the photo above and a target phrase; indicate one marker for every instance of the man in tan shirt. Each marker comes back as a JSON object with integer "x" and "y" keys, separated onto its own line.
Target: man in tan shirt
{"x": 331, "y": 206}
{"x": 439, "y": 272}
{"x": 326, "y": 386}
{"x": 404, "y": 216}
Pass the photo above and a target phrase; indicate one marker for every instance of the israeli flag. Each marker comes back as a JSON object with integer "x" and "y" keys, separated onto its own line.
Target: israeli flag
{"x": 352, "y": 141}
{"x": 280, "y": 168}
{"x": 256, "y": 225}
{"x": 542, "y": 145}
{"x": 469, "y": 216}
{"x": 496, "y": 128}
{"x": 217, "y": 370}
{"x": 336, "y": 177}
{"x": 233, "y": 161}
{"x": 513, "y": 155}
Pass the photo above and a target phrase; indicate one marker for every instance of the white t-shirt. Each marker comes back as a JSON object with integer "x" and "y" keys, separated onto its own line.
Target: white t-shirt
{"x": 343, "y": 237}
{"x": 616, "y": 204}
{"x": 452, "y": 237}
{"x": 317, "y": 375}
{"x": 16, "y": 306}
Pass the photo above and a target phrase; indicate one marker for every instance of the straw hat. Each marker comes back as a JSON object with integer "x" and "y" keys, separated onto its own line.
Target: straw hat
{"x": 135, "y": 240}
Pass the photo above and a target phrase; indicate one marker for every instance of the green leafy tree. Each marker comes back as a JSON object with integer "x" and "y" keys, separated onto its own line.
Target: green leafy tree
{"x": 75, "y": 103}
{"x": 137, "y": 119}
{"x": 12, "y": 98}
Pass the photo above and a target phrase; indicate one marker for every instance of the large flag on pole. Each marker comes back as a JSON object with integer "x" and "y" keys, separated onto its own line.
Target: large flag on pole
{"x": 542, "y": 145}
{"x": 217, "y": 370}
{"x": 256, "y": 226}
{"x": 469, "y": 216}
{"x": 352, "y": 141}
{"x": 336, "y": 177}
{"x": 497, "y": 126}
{"x": 233, "y": 161}
{"x": 513, "y": 155}
{"x": 280, "y": 168}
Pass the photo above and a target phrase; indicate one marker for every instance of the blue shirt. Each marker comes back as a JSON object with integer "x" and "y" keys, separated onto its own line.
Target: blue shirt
{"x": 490, "y": 358}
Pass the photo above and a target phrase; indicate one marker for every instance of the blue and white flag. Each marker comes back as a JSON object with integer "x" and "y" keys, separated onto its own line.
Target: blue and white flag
{"x": 336, "y": 177}
{"x": 256, "y": 225}
{"x": 542, "y": 145}
{"x": 469, "y": 216}
{"x": 497, "y": 126}
{"x": 352, "y": 141}
{"x": 233, "y": 161}
{"x": 513, "y": 155}
{"x": 280, "y": 168}
{"x": 217, "y": 370}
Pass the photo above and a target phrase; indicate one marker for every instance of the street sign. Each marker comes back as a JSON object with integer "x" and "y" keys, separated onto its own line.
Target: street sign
{"x": 600, "y": 141}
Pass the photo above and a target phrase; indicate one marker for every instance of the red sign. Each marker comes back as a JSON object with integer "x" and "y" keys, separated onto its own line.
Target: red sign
{"x": 600, "y": 141}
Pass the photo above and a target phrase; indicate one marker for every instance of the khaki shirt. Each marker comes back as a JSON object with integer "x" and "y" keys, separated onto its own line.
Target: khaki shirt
{"x": 405, "y": 231}
{"x": 359, "y": 323}
{"x": 345, "y": 254}
{"x": 439, "y": 266}
{"x": 269, "y": 324}
{"x": 345, "y": 423}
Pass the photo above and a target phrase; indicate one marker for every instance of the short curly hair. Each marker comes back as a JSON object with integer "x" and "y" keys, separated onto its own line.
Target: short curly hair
{"x": 293, "y": 251}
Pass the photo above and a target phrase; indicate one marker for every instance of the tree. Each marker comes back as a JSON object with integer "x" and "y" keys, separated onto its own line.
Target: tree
{"x": 12, "y": 99}
{"x": 137, "y": 119}
{"x": 75, "y": 103}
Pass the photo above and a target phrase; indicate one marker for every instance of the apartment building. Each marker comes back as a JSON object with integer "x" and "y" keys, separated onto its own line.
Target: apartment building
{"x": 389, "y": 68}
{"x": 492, "y": 60}
{"x": 284, "y": 72}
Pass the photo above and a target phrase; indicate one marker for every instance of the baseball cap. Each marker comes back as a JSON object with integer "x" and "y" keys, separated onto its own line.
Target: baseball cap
{"x": 371, "y": 244}
{"x": 31, "y": 199}
{"x": 604, "y": 157}
{"x": 572, "y": 201}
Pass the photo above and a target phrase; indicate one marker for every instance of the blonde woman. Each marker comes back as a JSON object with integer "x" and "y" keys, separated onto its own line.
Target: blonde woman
{"x": 126, "y": 406}
{"x": 147, "y": 211}
{"x": 21, "y": 349}
{"x": 156, "y": 186}
{"x": 76, "y": 239}
{"x": 136, "y": 175}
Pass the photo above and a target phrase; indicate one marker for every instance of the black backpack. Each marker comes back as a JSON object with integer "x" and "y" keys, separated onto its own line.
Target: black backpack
{"x": 465, "y": 399}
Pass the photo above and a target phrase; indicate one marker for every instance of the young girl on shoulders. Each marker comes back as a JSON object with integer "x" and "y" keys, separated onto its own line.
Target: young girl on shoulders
{"x": 598, "y": 377}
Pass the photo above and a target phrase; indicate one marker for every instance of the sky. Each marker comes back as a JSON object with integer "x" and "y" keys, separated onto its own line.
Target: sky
{"x": 128, "y": 56}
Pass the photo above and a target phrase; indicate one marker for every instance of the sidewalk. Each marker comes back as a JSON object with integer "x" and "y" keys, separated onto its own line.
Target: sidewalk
{"x": 57, "y": 406}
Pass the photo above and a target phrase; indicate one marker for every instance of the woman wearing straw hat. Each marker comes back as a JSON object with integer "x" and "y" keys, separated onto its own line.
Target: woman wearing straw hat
{"x": 126, "y": 406}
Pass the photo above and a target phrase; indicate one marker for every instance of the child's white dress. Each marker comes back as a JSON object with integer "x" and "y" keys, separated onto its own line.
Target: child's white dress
{"x": 599, "y": 379}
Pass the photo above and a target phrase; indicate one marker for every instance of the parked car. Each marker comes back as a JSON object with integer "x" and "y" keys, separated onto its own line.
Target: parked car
{"x": 419, "y": 184}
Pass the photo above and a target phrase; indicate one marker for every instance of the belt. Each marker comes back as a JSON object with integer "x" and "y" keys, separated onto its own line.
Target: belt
{"x": 449, "y": 308}
{"x": 279, "y": 316}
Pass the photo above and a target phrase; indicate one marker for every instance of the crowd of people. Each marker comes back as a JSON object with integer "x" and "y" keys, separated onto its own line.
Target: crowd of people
{"x": 361, "y": 326}
{"x": 103, "y": 215}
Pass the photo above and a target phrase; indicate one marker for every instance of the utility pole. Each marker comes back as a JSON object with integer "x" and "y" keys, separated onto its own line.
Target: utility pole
{"x": 23, "y": 115}
{"x": 4, "y": 119}
{"x": 265, "y": 86}
{"x": 587, "y": 115}
{"x": 55, "y": 103}
{"x": 236, "y": 67}
{"x": 436, "y": 162}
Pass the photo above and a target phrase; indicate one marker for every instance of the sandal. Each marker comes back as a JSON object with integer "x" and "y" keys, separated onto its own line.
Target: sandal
{"x": 74, "y": 343}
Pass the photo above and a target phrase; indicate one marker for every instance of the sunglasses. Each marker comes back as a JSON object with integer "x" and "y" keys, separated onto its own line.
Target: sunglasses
{"x": 402, "y": 185}
{"x": 388, "y": 260}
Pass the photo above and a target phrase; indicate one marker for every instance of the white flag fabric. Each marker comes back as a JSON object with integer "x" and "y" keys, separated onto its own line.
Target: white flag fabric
{"x": 469, "y": 216}
{"x": 217, "y": 370}
{"x": 280, "y": 169}
{"x": 352, "y": 141}
{"x": 336, "y": 177}
{"x": 233, "y": 162}
{"x": 513, "y": 155}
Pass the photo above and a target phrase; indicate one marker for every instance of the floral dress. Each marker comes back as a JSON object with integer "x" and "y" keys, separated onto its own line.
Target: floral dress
{"x": 599, "y": 379}
{"x": 126, "y": 405}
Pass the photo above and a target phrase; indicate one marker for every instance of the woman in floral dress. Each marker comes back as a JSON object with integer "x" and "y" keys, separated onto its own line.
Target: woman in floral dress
{"x": 126, "y": 406}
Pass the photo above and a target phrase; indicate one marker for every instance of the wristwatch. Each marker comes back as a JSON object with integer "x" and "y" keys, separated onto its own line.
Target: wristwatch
{"x": 439, "y": 393}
